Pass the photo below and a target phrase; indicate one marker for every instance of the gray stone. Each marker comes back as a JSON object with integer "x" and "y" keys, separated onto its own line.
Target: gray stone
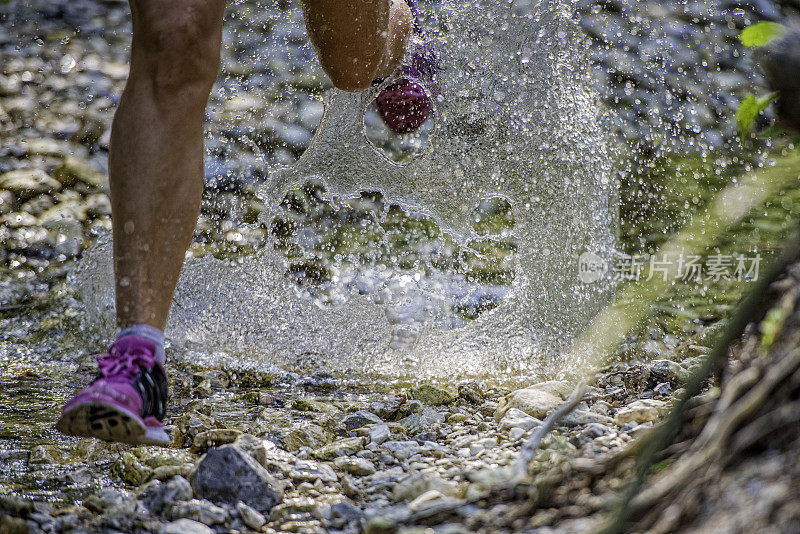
{"x": 354, "y": 466}
{"x": 585, "y": 417}
{"x": 251, "y": 518}
{"x": 422, "y": 421}
{"x": 379, "y": 433}
{"x": 156, "y": 496}
{"x": 360, "y": 418}
{"x": 107, "y": 498}
{"x": 198, "y": 510}
{"x": 516, "y": 418}
{"x": 669, "y": 370}
{"x": 8, "y": 202}
{"x": 416, "y": 484}
{"x": 402, "y": 449}
{"x": 311, "y": 471}
{"x": 228, "y": 475}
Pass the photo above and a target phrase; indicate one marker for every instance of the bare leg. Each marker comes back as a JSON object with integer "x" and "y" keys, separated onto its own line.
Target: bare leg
{"x": 358, "y": 40}
{"x": 156, "y": 157}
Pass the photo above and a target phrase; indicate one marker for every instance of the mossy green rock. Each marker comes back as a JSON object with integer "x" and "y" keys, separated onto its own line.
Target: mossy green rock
{"x": 155, "y": 457}
{"x": 47, "y": 454}
{"x": 130, "y": 470}
{"x": 214, "y": 438}
{"x": 74, "y": 170}
{"x": 342, "y": 447}
{"x": 313, "y": 436}
{"x": 310, "y": 405}
{"x": 432, "y": 395}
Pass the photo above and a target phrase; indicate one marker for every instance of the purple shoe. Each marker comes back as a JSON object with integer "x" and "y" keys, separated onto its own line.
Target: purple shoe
{"x": 404, "y": 105}
{"x": 127, "y": 400}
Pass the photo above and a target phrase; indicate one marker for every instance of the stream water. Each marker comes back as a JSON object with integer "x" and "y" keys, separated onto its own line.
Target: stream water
{"x": 517, "y": 120}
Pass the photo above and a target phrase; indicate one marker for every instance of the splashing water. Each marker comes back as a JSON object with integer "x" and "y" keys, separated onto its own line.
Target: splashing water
{"x": 516, "y": 120}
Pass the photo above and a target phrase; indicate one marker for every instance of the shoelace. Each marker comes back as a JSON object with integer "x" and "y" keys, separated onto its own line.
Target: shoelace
{"x": 124, "y": 366}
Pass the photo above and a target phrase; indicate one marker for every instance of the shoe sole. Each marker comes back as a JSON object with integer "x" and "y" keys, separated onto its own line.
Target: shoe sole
{"x": 109, "y": 422}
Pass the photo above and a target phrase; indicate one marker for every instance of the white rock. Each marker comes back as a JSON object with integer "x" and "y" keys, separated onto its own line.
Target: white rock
{"x": 640, "y": 411}
{"x": 250, "y": 517}
{"x": 532, "y": 401}
{"x": 516, "y": 418}
{"x": 185, "y": 526}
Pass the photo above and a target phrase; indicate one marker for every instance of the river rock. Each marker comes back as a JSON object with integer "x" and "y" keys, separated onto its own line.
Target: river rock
{"x": 516, "y": 418}
{"x": 360, "y": 418}
{"x": 387, "y": 408}
{"x": 8, "y": 201}
{"x": 228, "y": 475}
{"x": 198, "y": 510}
{"x": 107, "y": 498}
{"x": 256, "y": 447}
{"x": 18, "y": 219}
{"x": 309, "y": 435}
{"x": 432, "y": 395}
{"x": 185, "y": 526}
{"x": 311, "y": 471}
{"x": 27, "y": 183}
{"x": 311, "y": 405}
{"x": 191, "y": 423}
{"x": 421, "y": 421}
{"x": 379, "y": 433}
{"x": 532, "y": 401}
{"x": 15, "y": 525}
{"x": 99, "y": 205}
{"x": 402, "y": 449}
{"x": 251, "y": 518}
{"x": 46, "y": 454}
{"x": 130, "y": 470}
{"x": 559, "y": 388}
{"x": 668, "y": 371}
{"x": 156, "y": 496}
{"x": 354, "y": 466}
{"x": 584, "y": 417}
{"x": 155, "y": 457}
{"x": 471, "y": 392}
{"x": 38, "y": 205}
{"x": 640, "y": 411}
{"x": 73, "y": 171}
{"x": 166, "y": 472}
{"x": 342, "y": 447}
{"x": 214, "y": 438}
{"x": 416, "y": 484}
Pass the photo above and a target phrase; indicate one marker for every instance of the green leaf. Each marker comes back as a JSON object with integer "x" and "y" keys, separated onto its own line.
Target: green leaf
{"x": 749, "y": 109}
{"x": 761, "y": 33}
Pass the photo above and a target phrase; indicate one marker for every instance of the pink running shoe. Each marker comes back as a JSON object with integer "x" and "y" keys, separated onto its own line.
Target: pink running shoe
{"x": 127, "y": 400}
{"x": 404, "y": 105}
